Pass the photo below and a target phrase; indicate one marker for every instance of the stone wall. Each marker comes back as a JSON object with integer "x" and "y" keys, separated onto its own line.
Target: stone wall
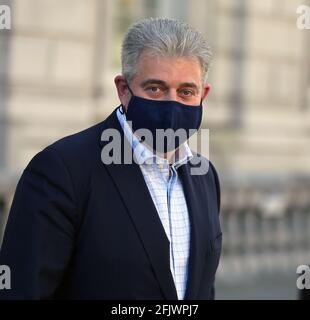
{"x": 259, "y": 109}
{"x": 58, "y": 62}
{"x": 50, "y": 74}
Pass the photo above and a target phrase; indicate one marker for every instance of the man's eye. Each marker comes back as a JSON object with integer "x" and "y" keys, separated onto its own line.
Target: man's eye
{"x": 153, "y": 89}
{"x": 187, "y": 93}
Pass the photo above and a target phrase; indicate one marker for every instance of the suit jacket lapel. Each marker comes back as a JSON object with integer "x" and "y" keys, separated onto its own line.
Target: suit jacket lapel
{"x": 197, "y": 201}
{"x": 133, "y": 190}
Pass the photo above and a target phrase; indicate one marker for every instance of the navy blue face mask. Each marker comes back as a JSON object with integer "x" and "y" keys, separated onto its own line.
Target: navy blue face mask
{"x": 157, "y": 114}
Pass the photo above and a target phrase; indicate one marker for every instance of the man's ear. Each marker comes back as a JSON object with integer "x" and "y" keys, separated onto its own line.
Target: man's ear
{"x": 121, "y": 85}
{"x": 122, "y": 90}
{"x": 206, "y": 89}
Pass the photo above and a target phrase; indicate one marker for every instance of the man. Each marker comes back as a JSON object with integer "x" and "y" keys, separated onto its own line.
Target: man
{"x": 84, "y": 227}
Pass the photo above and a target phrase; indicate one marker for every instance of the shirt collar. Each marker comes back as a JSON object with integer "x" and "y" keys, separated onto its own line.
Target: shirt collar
{"x": 144, "y": 155}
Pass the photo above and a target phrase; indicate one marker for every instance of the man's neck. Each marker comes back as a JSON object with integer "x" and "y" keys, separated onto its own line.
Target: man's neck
{"x": 171, "y": 156}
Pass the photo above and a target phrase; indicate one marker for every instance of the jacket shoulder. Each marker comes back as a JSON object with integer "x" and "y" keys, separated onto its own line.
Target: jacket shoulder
{"x": 69, "y": 161}
{"x": 77, "y": 142}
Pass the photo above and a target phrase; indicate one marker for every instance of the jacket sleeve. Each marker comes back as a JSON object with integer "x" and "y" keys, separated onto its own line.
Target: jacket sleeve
{"x": 218, "y": 193}
{"x": 39, "y": 236}
{"x": 217, "y": 186}
{"x": 212, "y": 294}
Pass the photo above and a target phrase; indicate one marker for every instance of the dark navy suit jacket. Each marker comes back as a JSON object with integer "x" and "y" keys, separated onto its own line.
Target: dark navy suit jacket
{"x": 81, "y": 229}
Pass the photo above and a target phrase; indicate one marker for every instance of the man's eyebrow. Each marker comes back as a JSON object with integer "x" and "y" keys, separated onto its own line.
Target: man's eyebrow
{"x": 189, "y": 85}
{"x": 163, "y": 83}
{"x": 153, "y": 81}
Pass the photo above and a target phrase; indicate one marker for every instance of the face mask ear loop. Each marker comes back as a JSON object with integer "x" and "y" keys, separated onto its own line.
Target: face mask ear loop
{"x": 129, "y": 89}
{"x": 121, "y": 107}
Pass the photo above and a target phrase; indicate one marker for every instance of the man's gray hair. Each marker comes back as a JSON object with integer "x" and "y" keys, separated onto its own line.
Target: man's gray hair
{"x": 168, "y": 37}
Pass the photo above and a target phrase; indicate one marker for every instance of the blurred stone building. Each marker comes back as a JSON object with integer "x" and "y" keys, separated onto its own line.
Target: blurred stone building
{"x": 58, "y": 61}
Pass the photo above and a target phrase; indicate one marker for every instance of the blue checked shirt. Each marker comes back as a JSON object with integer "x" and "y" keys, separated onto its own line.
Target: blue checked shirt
{"x": 168, "y": 196}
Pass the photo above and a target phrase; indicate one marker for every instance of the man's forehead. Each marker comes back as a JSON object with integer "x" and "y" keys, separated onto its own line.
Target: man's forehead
{"x": 152, "y": 56}
{"x": 154, "y": 66}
